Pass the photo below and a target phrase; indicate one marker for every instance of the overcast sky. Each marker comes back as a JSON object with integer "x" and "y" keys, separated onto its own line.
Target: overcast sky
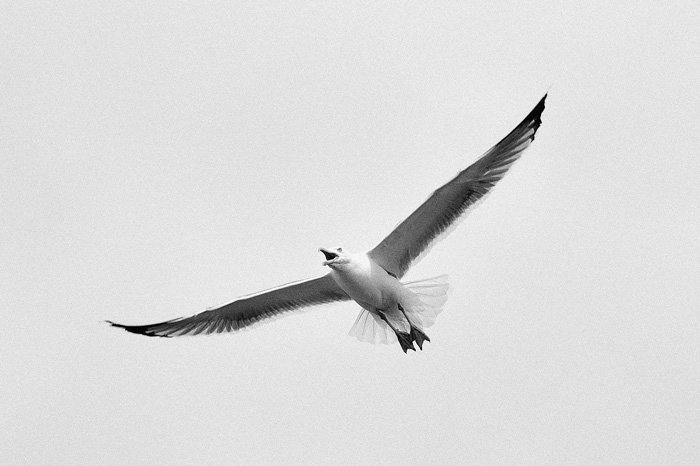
{"x": 157, "y": 158}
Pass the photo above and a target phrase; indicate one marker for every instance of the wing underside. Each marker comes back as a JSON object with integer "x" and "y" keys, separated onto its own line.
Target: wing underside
{"x": 247, "y": 310}
{"x": 448, "y": 203}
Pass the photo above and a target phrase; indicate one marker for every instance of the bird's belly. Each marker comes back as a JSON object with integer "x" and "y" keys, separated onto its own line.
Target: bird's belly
{"x": 365, "y": 289}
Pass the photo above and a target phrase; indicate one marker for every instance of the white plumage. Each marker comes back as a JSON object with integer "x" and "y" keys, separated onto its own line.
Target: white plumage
{"x": 391, "y": 310}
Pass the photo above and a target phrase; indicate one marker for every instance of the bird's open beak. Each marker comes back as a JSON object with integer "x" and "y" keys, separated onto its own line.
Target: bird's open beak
{"x": 330, "y": 256}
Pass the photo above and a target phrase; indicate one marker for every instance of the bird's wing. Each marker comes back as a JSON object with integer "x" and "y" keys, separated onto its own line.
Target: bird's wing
{"x": 447, "y": 204}
{"x": 247, "y": 310}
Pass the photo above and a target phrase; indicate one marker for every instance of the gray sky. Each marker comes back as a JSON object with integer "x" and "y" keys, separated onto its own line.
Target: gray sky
{"x": 159, "y": 158}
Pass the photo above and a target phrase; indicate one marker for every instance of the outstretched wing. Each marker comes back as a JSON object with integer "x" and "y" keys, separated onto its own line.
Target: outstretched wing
{"x": 247, "y": 310}
{"x": 447, "y": 204}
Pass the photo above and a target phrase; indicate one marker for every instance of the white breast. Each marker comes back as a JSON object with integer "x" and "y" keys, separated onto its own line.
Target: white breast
{"x": 366, "y": 282}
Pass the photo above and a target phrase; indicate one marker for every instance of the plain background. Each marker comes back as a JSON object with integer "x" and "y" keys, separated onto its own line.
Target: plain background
{"x": 157, "y": 158}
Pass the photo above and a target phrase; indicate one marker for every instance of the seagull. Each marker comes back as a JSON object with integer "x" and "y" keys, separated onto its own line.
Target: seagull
{"x": 391, "y": 310}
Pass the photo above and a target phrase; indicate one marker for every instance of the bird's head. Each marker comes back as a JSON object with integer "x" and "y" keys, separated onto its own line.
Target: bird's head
{"x": 335, "y": 256}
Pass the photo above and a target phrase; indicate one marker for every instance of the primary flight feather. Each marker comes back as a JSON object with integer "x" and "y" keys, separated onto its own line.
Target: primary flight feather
{"x": 391, "y": 310}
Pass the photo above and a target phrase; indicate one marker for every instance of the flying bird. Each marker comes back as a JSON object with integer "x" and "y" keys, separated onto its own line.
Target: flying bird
{"x": 391, "y": 310}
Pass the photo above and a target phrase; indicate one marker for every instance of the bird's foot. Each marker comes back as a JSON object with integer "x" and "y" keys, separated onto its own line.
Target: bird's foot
{"x": 419, "y": 337}
{"x": 416, "y": 334}
{"x": 405, "y": 340}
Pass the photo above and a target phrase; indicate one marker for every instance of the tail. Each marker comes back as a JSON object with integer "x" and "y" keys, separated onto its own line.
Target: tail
{"x": 423, "y": 302}
{"x": 370, "y": 328}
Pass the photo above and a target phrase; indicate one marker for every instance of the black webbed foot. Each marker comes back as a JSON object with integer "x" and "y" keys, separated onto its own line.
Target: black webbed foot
{"x": 416, "y": 334}
{"x": 419, "y": 336}
{"x": 405, "y": 340}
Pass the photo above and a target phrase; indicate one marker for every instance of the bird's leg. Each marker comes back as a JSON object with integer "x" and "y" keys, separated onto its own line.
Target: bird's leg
{"x": 405, "y": 339}
{"x": 416, "y": 334}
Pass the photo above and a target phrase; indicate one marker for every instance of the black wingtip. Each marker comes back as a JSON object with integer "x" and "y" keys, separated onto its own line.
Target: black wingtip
{"x": 533, "y": 119}
{"x": 137, "y": 329}
{"x": 527, "y": 129}
{"x": 541, "y": 102}
{"x": 536, "y": 113}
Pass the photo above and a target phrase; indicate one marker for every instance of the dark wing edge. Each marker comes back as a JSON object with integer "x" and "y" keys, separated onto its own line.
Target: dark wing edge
{"x": 448, "y": 203}
{"x": 247, "y": 310}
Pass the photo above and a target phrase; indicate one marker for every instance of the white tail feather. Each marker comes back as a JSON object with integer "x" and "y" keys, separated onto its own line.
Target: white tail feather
{"x": 426, "y": 299}
{"x": 422, "y": 302}
{"x": 371, "y": 328}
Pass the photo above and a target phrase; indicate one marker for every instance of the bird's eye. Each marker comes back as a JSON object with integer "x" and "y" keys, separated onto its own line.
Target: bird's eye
{"x": 340, "y": 249}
